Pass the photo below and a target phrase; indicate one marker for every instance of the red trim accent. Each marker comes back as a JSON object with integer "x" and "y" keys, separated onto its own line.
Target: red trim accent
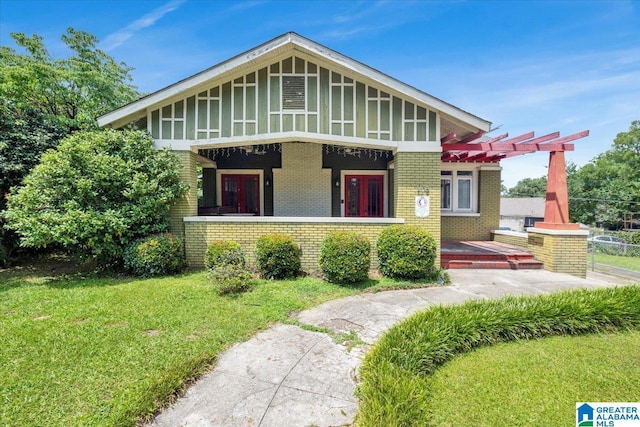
{"x": 243, "y": 190}
{"x": 370, "y": 199}
{"x": 491, "y": 150}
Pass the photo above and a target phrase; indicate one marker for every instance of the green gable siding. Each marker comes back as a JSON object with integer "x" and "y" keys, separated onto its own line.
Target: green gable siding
{"x": 294, "y": 95}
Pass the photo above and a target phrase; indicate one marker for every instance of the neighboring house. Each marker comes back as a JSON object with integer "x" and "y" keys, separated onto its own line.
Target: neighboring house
{"x": 519, "y": 213}
{"x": 294, "y": 137}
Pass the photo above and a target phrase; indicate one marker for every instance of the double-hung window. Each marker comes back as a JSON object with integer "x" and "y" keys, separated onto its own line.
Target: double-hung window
{"x": 457, "y": 191}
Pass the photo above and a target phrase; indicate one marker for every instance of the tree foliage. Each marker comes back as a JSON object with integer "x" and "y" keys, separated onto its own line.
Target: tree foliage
{"x": 528, "y": 187}
{"x": 95, "y": 193}
{"x": 608, "y": 187}
{"x": 70, "y": 91}
{"x": 42, "y": 99}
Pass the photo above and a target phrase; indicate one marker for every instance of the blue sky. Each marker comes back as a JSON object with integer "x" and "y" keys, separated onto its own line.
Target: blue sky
{"x": 544, "y": 66}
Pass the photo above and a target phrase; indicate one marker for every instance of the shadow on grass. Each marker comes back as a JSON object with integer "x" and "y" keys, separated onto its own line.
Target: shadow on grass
{"x": 59, "y": 271}
{"x": 380, "y": 284}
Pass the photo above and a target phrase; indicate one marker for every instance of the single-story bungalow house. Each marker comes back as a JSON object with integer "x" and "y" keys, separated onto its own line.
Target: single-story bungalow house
{"x": 294, "y": 137}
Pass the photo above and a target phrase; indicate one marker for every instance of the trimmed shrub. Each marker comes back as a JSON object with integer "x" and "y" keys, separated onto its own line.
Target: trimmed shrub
{"x": 230, "y": 278}
{"x": 278, "y": 256}
{"x": 345, "y": 257}
{"x": 223, "y": 252}
{"x": 155, "y": 255}
{"x": 407, "y": 252}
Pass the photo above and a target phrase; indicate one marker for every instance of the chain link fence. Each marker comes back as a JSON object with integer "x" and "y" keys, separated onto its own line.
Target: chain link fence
{"x": 616, "y": 243}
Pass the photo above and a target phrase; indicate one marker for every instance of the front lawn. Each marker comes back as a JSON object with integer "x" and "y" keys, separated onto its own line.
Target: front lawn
{"x": 630, "y": 263}
{"x": 535, "y": 382}
{"x": 109, "y": 351}
{"x": 397, "y": 387}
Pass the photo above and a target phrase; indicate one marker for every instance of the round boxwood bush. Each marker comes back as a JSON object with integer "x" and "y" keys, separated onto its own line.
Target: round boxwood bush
{"x": 345, "y": 257}
{"x": 406, "y": 252}
{"x": 278, "y": 256}
{"x": 155, "y": 255}
{"x": 223, "y": 252}
{"x": 230, "y": 278}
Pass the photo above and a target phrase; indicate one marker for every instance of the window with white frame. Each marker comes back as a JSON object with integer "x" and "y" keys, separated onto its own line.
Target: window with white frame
{"x": 458, "y": 191}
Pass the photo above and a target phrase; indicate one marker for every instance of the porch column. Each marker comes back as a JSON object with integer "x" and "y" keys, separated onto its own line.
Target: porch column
{"x": 417, "y": 173}
{"x": 560, "y": 245}
{"x": 187, "y": 205}
{"x": 556, "y": 206}
{"x": 208, "y": 186}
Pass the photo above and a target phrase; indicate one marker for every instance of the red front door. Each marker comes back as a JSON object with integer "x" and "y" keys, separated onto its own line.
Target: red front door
{"x": 241, "y": 191}
{"x": 364, "y": 195}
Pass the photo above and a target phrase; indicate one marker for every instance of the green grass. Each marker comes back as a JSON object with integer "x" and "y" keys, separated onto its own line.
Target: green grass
{"x": 630, "y": 263}
{"x": 110, "y": 351}
{"x": 397, "y": 374}
{"x": 535, "y": 382}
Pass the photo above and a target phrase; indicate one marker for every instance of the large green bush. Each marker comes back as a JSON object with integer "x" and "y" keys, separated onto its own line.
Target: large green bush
{"x": 345, "y": 257}
{"x": 155, "y": 255}
{"x": 95, "y": 193}
{"x": 407, "y": 252}
{"x": 278, "y": 256}
{"x": 223, "y": 252}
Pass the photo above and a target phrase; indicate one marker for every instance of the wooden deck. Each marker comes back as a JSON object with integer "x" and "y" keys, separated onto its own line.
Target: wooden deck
{"x": 486, "y": 255}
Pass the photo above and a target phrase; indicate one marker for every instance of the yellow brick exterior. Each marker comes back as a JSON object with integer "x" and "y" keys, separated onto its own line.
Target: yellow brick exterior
{"x": 415, "y": 171}
{"x": 477, "y": 227}
{"x": 301, "y": 187}
{"x": 520, "y": 241}
{"x": 188, "y": 204}
{"x": 309, "y": 235}
{"x": 561, "y": 253}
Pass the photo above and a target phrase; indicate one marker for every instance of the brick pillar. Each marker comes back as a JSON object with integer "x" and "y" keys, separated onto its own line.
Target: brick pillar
{"x": 188, "y": 204}
{"x": 561, "y": 251}
{"x": 414, "y": 171}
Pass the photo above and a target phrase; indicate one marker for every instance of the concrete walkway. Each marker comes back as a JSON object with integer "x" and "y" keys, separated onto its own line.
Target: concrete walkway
{"x": 289, "y": 376}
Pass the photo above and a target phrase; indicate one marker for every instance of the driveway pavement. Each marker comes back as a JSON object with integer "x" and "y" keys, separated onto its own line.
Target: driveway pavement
{"x": 290, "y": 376}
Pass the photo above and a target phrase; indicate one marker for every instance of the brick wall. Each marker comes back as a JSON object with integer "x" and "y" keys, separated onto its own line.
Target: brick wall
{"x": 511, "y": 238}
{"x": 246, "y": 231}
{"x": 188, "y": 204}
{"x": 561, "y": 251}
{"x": 414, "y": 170}
{"x": 302, "y": 187}
{"x": 477, "y": 227}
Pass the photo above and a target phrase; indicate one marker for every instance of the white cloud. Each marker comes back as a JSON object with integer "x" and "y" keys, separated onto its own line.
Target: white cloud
{"x": 116, "y": 39}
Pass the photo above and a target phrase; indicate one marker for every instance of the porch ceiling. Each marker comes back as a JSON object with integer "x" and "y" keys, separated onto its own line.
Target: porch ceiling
{"x": 479, "y": 148}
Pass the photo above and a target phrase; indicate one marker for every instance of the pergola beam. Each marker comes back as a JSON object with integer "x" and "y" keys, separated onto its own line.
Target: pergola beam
{"x": 497, "y": 148}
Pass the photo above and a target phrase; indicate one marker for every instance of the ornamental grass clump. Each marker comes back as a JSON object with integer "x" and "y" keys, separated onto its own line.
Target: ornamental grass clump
{"x": 407, "y": 252}
{"x": 225, "y": 263}
{"x": 155, "y": 255}
{"x": 345, "y": 257}
{"x": 278, "y": 256}
{"x": 395, "y": 374}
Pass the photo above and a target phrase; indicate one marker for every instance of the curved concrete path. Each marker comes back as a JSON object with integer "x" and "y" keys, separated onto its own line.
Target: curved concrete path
{"x": 290, "y": 376}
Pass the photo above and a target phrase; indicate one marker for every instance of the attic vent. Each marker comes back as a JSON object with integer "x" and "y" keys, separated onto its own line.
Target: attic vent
{"x": 293, "y": 92}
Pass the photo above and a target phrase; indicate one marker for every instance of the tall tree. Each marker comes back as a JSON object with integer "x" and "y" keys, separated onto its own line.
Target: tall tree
{"x": 42, "y": 99}
{"x": 71, "y": 91}
{"x": 608, "y": 187}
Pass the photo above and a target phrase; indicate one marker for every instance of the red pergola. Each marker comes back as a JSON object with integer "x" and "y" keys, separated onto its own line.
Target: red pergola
{"x": 477, "y": 148}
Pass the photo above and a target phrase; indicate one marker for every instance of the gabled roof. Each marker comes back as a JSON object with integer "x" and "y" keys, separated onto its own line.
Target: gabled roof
{"x": 286, "y": 42}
